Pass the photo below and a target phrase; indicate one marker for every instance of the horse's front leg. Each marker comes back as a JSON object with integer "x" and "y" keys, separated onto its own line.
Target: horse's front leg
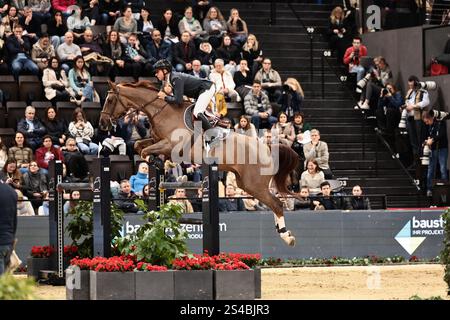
{"x": 142, "y": 144}
{"x": 161, "y": 147}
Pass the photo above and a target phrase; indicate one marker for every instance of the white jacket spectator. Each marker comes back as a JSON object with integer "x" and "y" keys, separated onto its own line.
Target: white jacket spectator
{"x": 224, "y": 81}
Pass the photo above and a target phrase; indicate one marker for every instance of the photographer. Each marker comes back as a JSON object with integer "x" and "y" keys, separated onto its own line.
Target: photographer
{"x": 388, "y": 110}
{"x": 352, "y": 58}
{"x": 435, "y": 138}
{"x": 374, "y": 82}
{"x": 417, "y": 99}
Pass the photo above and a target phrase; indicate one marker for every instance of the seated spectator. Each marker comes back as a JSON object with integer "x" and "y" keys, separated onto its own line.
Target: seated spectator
{"x": 207, "y": 55}
{"x": 318, "y": 150}
{"x": 292, "y": 97}
{"x": 157, "y": 48}
{"x": 18, "y": 49}
{"x": 435, "y": 137}
{"x": 69, "y": 205}
{"x": 252, "y": 52}
{"x": 215, "y": 26}
{"x": 56, "y": 84}
{"x": 223, "y": 81}
{"x": 286, "y": 133}
{"x": 131, "y": 128}
{"x": 109, "y": 142}
{"x": 184, "y": 53}
{"x": 67, "y": 52}
{"x": 237, "y": 27}
{"x": 56, "y": 128}
{"x": 193, "y": 26}
{"x": 358, "y": 201}
{"x": 178, "y": 198}
{"x": 46, "y": 153}
{"x": 90, "y": 9}
{"x": 31, "y": 25}
{"x": 302, "y": 133}
{"x": 338, "y": 33}
{"x": 11, "y": 175}
{"x": 42, "y": 51}
{"x": 252, "y": 204}
{"x": 245, "y": 127}
{"x": 32, "y": 128}
{"x": 24, "y": 207}
{"x": 92, "y": 52}
{"x": 3, "y": 154}
{"x": 168, "y": 26}
{"x": 81, "y": 82}
{"x": 258, "y": 107}
{"x": 270, "y": 80}
{"x": 20, "y": 152}
{"x": 20, "y": 5}
{"x": 231, "y": 180}
{"x": 326, "y": 201}
{"x": 76, "y": 165}
{"x": 35, "y": 185}
{"x": 145, "y": 25}
{"x": 138, "y": 57}
{"x": 109, "y": 11}
{"x": 125, "y": 25}
{"x": 65, "y": 6}
{"x": 126, "y": 197}
{"x": 388, "y": 111}
{"x": 303, "y": 202}
{"x": 352, "y": 58}
{"x": 77, "y": 23}
{"x": 82, "y": 131}
{"x": 140, "y": 179}
{"x": 312, "y": 177}
{"x": 287, "y": 201}
{"x": 57, "y": 29}
{"x": 243, "y": 79}
{"x": 231, "y": 203}
{"x": 379, "y": 78}
{"x": 230, "y": 54}
{"x": 197, "y": 70}
{"x": 114, "y": 49}
{"x": 9, "y": 21}
{"x": 192, "y": 171}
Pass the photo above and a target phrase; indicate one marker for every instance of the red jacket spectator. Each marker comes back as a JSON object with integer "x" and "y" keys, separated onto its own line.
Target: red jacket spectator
{"x": 62, "y": 5}
{"x": 44, "y": 155}
{"x": 347, "y": 56}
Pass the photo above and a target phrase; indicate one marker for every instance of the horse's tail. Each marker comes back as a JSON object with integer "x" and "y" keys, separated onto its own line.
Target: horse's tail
{"x": 288, "y": 161}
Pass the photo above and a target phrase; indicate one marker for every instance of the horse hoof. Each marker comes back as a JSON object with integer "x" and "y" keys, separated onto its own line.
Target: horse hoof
{"x": 288, "y": 238}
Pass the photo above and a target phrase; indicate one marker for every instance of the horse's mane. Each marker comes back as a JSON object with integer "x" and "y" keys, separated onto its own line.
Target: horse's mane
{"x": 140, "y": 84}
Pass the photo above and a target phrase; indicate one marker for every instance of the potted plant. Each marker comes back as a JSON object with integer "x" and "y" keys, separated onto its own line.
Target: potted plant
{"x": 112, "y": 278}
{"x": 154, "y": 282}
{"x": 39, "y": 260}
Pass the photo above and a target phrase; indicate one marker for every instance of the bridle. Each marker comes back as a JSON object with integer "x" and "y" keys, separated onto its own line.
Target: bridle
{"x": 138, "y": 107}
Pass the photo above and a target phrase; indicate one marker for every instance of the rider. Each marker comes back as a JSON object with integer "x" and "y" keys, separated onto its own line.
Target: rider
{"x": 183, "y": 84}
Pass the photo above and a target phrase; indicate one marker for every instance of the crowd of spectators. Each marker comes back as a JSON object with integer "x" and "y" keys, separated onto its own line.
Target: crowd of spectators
{"x": 68, "y": 53}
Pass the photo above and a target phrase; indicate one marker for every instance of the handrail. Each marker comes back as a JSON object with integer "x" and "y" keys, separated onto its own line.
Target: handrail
{"x": 393, "y": 155}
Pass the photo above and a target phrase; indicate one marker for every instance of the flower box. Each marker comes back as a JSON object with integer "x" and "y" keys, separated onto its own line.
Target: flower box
{"x": 34, "y": 265}
{"x": 77, "y": 284}
{"x": 155, "y": 285}
{"x": 257, "y": 273}
{"x": 194, "y": 284}
{"x": 234, "y": 284}
{"x": 112, "y": 285}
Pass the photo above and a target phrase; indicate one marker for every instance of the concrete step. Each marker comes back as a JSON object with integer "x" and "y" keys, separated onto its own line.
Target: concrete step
{"x": 362, "y": 164}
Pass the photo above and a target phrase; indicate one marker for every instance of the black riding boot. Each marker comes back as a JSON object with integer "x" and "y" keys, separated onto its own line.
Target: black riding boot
{"x": 205, "y": 122}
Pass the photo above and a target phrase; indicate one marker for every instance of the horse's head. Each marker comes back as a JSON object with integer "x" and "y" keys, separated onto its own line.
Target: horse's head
{"x": 112, "y": 109}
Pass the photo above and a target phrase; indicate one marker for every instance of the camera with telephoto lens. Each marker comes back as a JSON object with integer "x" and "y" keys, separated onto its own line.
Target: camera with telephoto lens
{"x": 363, "y": 82}
{"x": 425, "y": 160}
{"x": 439, "y": 115}
{"x": 402, "y": 124}
{"x": 428, "y": 85}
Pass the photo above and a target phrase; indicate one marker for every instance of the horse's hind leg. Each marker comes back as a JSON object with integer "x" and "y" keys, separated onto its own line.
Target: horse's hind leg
{"x": 261, "y": 192}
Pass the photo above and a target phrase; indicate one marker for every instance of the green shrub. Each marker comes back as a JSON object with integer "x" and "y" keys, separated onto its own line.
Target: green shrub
{"x": 12, "y": 288}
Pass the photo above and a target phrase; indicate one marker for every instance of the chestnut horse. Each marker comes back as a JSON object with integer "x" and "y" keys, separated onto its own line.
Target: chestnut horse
{"x": 165, "y": 119}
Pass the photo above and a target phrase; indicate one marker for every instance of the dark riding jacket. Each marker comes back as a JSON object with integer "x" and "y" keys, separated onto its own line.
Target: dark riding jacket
{"x": 185, "y": 84}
